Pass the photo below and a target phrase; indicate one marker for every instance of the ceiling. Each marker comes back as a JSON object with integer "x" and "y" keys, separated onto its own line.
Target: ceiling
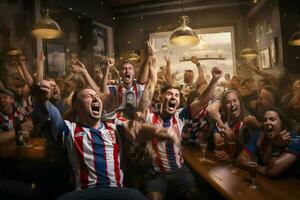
{"x": 117, "y": 3}
{"x": 138, "y": 8}
{"x": 120, "y": 3}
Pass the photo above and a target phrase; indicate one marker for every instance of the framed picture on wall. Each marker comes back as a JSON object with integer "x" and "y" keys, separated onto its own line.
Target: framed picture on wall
{"x": 102, "y": 42}
{"x": 265, "y": 58}
{"x": 56, "y": 61}
{"x": 274, "y": 51}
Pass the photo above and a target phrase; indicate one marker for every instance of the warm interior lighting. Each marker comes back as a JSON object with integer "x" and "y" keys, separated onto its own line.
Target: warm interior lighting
{"x": 295, "y": 38}
{"x": 248, "y": 53}
{"x": 164, "y": 47}
{"x": 14, "y": 52}
{"x": 184, "y": 35}
{"x": 46, "y": 28}
{"x": 133, "y": 57}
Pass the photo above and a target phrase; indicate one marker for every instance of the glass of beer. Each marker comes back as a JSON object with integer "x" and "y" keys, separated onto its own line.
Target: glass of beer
{"x": 26, "y": 137}
{"x": 231, "y": 149}
{"x": 203, "y": 145}
{"x": 252, "y": 169}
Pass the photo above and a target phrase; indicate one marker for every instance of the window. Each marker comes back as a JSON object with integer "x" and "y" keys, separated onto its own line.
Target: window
{"x": 215, "y": 43}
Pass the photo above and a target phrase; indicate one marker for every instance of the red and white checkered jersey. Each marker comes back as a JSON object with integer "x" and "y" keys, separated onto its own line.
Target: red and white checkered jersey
{"x": 167, "y": 155}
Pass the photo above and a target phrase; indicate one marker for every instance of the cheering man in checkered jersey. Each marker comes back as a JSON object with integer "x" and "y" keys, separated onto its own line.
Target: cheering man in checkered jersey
{"x": 168, "y": 169}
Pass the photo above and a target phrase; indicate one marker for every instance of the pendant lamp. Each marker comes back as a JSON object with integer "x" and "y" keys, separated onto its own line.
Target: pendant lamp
{"x": 184, "y": 35}
{"x": 133, "y": 57}
{"x": 46, "y": 28}
{"x": 14, "y": 51}
{"x": 295, "y": 38}
{"x": 248, "y": 53}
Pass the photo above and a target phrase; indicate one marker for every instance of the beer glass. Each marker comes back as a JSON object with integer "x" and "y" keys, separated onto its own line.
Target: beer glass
{"x": 252, "y": 169}
{"x": 231, "y": 148}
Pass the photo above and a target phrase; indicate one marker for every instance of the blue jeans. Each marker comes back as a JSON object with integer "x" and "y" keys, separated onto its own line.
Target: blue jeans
{"x": 111, "y": 193}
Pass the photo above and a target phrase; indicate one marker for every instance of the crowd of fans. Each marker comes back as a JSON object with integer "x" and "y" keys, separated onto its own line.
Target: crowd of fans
{"x": 137, "y": 126}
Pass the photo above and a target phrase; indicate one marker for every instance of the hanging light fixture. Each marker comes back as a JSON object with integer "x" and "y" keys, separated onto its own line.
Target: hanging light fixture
{"x": 295, "y": 38}
{"x": 14, "y": 51}
{"x": 164, "y": 47}
{"x": 184, "y": 35}
{"x": 46, "y": 28}
{"x": 133, "y": 57}
{"x": 248, "y": 54}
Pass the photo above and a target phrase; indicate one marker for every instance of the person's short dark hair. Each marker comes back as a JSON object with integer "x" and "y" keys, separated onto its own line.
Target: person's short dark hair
{"x": 275, "y": 94}
{"x": 265, "y": 81}
{"x": 169, "y": 86}
{"x": 188, "y": 70}
{"x": 7, "y": 92}
{"x": 126, "y": 62}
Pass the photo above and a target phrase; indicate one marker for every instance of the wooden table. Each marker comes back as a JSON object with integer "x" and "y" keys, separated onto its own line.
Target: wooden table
{"x": 235, "y": 186}
{"x": 38, "y": 151}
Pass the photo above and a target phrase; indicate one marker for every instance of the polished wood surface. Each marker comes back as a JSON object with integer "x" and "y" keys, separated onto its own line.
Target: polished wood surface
{"x": 235, "y": 186}
{"x": 36, "y": 150}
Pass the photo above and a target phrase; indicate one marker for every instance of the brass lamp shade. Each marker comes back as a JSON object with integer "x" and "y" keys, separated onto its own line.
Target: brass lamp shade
{"x": 164, "y": 47}
{"x": 46, "y": 28}
{"x": 248, "y": 53}
{"x": 14, "y": 52}
{"x": 295, "y": 39}
{"x": 133, "y": 57}
{"x": 184, "y": 35}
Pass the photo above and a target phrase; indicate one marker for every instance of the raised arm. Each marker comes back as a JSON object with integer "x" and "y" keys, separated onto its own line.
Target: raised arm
{"x": 201, "y": 81}
{"x": 79, "y": 67}
{"x": 40, "y": 67}
{"x": 213, "y": 111}
{"x": 109, "y": 65}
{"x": 144, "y": 72}
{"x": 45, "y": 110}
{"x": 23, "y": 66}
{"x": 169, "y": 77}
{"x": 208, "y": 93}
{"x": 147, "y": 96}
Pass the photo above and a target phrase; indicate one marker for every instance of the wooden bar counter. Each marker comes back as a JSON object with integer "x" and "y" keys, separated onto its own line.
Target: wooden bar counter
{"x": 38, "y": 149}
{"x": 235, "y": 186}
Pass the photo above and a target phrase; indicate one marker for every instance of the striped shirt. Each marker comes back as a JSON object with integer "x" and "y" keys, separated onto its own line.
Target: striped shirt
{"x": 167, "y": 155}
{"x": 125, "y": 95}
{"x": 8, "y": 122}
{"x": 25, "y": 106}
{"x": 93, "y": 153}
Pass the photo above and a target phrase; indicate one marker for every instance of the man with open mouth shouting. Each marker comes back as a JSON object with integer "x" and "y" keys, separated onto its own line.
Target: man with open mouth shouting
{"x": 130, "y": 90}
{"x": 168, "y": 169}
{"x": 92, "y": 145}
